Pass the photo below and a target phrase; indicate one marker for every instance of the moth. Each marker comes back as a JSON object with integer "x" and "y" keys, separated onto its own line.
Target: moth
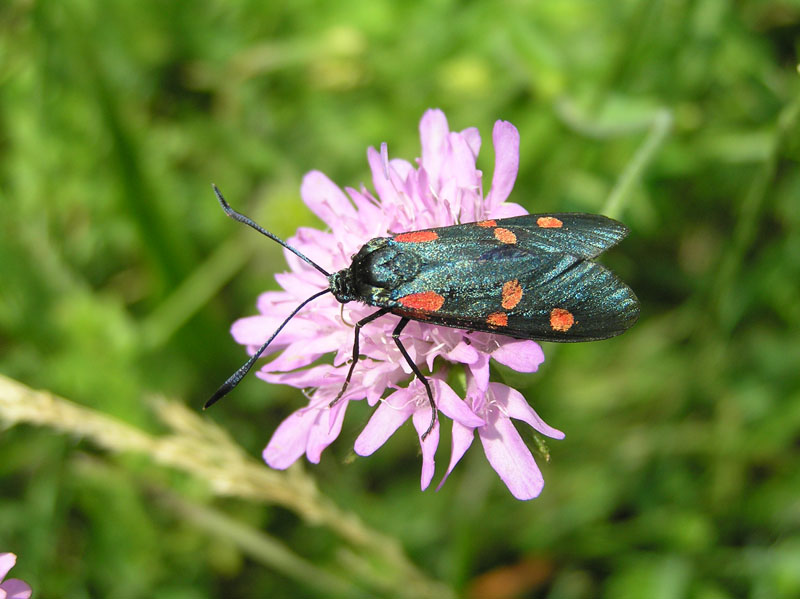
{"x": 527, "y": 277}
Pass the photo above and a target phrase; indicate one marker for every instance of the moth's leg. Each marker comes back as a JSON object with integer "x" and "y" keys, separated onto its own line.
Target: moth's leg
{"x": 354, "y": 361}
{"x": 396, "y": 336}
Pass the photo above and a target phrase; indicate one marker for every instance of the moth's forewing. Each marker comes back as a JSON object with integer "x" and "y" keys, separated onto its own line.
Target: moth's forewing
{"x": 529, "y": 277}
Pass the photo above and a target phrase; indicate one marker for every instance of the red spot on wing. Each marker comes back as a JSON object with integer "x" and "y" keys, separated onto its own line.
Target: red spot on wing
{"x": 549, "y": 222}
{"x": 497, "y": 319}
{"x": 487, "y": 223}
{"x": 512, "y": 293}
{"x": 561, "y": 320}
{"x": 417, "y": 236}
{"x": 505, "y": 236}
{"x": 427, "y": 301}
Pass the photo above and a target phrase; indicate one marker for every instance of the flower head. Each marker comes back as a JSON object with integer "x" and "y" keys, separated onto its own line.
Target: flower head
{"x": 444, "y": 188}
{"x": 13, "y": 588}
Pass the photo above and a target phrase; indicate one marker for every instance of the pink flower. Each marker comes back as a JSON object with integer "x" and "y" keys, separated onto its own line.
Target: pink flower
{"x": 13, "y": 588}
{"x": 444, "y": 189}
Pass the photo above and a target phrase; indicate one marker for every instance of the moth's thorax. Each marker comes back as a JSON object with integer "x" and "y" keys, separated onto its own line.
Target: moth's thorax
{"x": 377, "y": 268}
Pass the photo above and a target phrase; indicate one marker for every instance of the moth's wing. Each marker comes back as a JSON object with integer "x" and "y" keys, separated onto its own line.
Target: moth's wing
{"x": 582, "y": 235}
{"x": 513, "y": 291}
{"x": 584, "y": 302}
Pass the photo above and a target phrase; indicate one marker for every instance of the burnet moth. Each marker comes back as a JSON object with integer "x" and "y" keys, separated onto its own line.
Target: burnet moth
{"x": 527, "y": 277}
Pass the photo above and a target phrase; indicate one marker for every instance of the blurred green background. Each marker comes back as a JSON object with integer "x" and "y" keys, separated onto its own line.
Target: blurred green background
{"x": 120, "y": 277}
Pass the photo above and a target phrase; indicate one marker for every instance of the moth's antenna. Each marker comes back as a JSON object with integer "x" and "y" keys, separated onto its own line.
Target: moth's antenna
{"x": 250, "y": 223}
{"x": 237, "y": 376}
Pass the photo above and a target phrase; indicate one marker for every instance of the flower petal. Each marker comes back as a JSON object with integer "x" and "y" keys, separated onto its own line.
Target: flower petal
{"x": 7, "y": 561}
{"x": 370, "y": 214}
{"x": 480, "y": 370}
{"x": 430, "y": 203}
{"x": 506, "y": 163}
{"x": 289, "y": 441}
{"x": 253, "y": 330}
{"x": 506, "y": 210}
{"x": 302, "y": 353}
{"x": 462, "y": 163}
{"x": 433, "y": 131}
{"x": 321, "y": 247}
{"x": 381, "y": 178}
{"x": 378, "y": 377}
{"x": 453, "y": 406}
{"x": 473, "y": 138}
{"x": 326, "y": 200}
{"x": 463, "y": 352}
{"x": 422, "y": 421}
{"x": 511, "y": 458}
{"x": 461, "y": 181}
{"x": 300, "y": 287}
{"x": 514, "y": 406}
{"x": 522, "y": 356}
{"x": 318, "y": 376}
{"x": 325, "y": 431}
{"x": 461, "y": 441}
{"x": 389, "y": 416}
{"x": 16, "y": 589}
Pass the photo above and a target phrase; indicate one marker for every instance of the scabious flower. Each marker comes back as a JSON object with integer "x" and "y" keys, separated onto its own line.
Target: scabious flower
{"x": 13, "y": 588}
{"x": 444, "y": 188}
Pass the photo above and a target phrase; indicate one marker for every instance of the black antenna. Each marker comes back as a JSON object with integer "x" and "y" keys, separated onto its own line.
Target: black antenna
{"x": 237, "y": 376}
{"x": 250, "y": 223}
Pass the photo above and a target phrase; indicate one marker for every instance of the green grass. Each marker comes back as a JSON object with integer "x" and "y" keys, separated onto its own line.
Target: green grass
{"x": 120, "y": 277}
